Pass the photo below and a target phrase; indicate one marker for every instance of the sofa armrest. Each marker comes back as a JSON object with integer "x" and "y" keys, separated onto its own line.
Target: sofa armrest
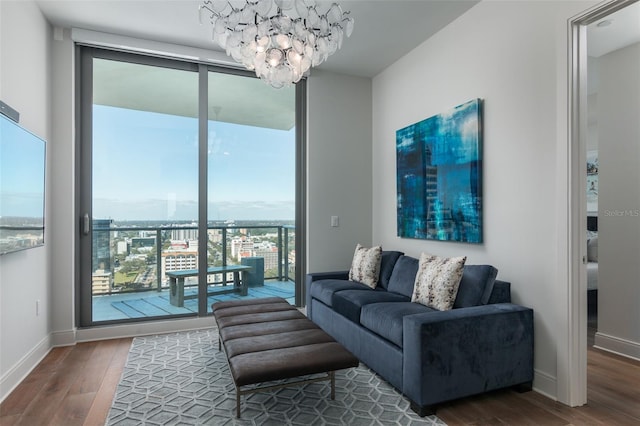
{"x": 461, "y": 352}
{"x": 317, "y": 276}
{"x": 501, "y": 292}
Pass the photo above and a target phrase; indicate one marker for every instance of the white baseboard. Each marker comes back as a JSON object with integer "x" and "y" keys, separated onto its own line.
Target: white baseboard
{"x": 63, "y": 338}
{"x": 618, "y": 346}
{"x": 545, "y": 384}
{"x": 16, "y": 374}
{"x": 142, "y": 329}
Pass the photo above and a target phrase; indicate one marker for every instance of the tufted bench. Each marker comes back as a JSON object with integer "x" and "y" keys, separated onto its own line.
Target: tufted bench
{"x": 268, "y": 339}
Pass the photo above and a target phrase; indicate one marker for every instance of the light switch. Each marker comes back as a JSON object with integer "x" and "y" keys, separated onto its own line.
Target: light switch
{"x": 335, "y": 222}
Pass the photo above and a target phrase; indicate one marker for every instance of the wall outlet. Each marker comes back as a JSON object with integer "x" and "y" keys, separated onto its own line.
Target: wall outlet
{"x": 335, "y": 221}
{"x": 37, "y": 308}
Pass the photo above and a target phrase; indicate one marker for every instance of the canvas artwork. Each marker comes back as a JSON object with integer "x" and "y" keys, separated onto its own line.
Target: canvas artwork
{"x": 439, "y": 176}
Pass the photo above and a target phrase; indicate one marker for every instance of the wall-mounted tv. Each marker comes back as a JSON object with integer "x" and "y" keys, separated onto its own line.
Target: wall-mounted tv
{"x": 22, "y": 180}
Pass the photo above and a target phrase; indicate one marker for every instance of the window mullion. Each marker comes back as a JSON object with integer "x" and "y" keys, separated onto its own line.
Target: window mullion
{"x": 203, "y": 235}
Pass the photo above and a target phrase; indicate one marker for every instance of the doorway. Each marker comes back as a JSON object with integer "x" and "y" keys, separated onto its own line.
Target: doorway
{"x": 588, "y": 207}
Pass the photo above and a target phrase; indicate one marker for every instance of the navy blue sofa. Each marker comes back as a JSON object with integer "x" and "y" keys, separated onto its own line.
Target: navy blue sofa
{"x": 484, "y": 343}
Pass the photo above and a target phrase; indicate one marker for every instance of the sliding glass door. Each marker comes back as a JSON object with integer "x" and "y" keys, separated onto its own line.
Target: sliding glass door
{"x": 251, "y": 181}
{"x": 188, "y": 177}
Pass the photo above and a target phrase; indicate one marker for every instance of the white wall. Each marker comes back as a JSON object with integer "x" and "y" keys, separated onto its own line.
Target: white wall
{"x": 513, "y": 55}
{"x": 63, "y": 217}
{"x": 25, "y": 55}
{"x": 339, "y": 180}
{"x": 619, "y": 202}
{"x": 593, "y": 76}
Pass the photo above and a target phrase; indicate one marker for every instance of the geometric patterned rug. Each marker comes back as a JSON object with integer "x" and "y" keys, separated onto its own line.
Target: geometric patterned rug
{"x": 182, "y": 379}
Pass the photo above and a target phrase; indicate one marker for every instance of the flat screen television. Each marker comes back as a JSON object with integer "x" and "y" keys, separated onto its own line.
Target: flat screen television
{"x": 22, "y": 180}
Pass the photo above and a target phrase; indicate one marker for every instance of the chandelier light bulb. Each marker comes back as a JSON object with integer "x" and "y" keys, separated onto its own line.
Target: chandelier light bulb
{"x": 278, "y": 39}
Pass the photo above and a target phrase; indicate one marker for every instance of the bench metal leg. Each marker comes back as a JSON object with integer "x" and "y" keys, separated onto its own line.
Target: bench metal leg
{"x": 332, "y": 377}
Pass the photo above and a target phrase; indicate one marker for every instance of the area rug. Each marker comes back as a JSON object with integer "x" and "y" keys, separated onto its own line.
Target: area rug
{"x": 182, "y": 379}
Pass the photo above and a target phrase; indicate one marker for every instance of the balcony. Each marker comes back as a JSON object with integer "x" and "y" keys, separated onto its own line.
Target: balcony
{"x": 130, "y": 266}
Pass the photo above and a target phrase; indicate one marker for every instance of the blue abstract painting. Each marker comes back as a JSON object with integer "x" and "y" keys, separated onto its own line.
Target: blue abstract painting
{"x": 439, "y": 166}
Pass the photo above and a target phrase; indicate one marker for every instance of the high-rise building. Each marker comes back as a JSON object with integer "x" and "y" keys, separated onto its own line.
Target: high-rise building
{"x": 139, "y": 242}
{"x": 215, "y": 235}
{"x": 100, "y": 281}
{"x": 185, "y": 234}
{"x": 241, "y": 247}
{"x": 270, "y": 257}
{"x": 178, "y": 260}
{"x": 101, "y": 245}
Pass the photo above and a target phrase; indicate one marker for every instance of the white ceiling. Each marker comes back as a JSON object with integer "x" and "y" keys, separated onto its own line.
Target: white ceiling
{"x": 623, "y": 30}
{"x": 384, "y": 30}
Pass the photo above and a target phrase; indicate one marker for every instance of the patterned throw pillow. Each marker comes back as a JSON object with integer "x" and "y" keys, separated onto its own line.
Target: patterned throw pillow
{"x": 437, "y": 281}
{"x": 365, "y": 267}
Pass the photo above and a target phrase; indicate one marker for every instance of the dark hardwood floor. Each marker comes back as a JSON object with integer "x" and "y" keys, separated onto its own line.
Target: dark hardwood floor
{"x": 613, "y": 398}
{"x": 75, "y": 386}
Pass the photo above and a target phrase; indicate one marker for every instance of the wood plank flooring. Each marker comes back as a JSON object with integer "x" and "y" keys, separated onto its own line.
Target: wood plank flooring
{"x": 75, "y": 386}
{"x": 613, "y": 398}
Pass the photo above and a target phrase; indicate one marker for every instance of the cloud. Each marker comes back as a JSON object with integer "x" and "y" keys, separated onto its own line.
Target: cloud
{"x": 172, "y": 209}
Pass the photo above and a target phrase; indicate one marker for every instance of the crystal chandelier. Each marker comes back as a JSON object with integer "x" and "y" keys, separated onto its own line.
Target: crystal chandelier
{"x": 278, "y": 39}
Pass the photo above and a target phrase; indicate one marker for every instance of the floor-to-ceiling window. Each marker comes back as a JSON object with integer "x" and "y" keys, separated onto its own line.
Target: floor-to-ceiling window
{"x": 251, "y": 180}
{"x": 187, "y": 182}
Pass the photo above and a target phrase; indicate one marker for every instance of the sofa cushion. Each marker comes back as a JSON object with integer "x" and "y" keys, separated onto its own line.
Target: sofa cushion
{"x": 438, "y": 280}
{"x": 385, "y": 319}
{"x": 365, "y": 266}
{"x": 476, "y": 285}
{"x": 349, "y": 302}
{"x": 404, "y": 276}
{"x": 387, "y": 262}
{"x": 323, "y": 289}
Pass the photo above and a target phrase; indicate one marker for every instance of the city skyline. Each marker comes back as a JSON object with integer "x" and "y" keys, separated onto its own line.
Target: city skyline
{"x": 251, "y": 170}
{"x": 22, "y": 172}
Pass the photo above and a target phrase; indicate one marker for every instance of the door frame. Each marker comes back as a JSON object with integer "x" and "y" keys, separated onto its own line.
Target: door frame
{"x": 85, "y": 53}
{"x": 575, "y": 392}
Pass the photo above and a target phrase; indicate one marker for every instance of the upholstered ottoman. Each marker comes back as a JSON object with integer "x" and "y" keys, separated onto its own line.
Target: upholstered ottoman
{"x": 267, "y": 340}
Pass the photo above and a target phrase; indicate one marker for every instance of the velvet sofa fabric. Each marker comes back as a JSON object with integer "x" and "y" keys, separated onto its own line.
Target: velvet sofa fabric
{"x": 403, "y": 276}
{"x": 349, "y": 302}
{"x": 476, "y": 285}
{"x": 387, "y": 262}
{"x": 386, "y": 319}
{"x": 483, "y": 343}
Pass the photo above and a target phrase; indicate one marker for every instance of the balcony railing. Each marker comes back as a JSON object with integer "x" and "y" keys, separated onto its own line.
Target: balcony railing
{"x": 135, "y": 258}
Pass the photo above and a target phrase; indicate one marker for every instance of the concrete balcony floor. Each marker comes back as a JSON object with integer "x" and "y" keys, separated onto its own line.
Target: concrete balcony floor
{"x": 120, "y": 306}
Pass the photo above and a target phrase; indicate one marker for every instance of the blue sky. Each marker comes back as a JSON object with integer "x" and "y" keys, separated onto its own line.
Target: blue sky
{"x": 22, "y": 169}
{"x": 145, "y": 166}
